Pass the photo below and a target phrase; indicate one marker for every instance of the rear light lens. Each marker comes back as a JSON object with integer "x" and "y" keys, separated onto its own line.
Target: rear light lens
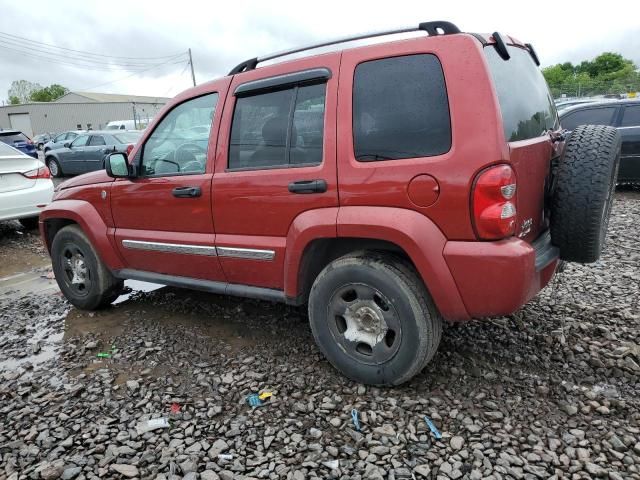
{"x": 42, "y": 172}
{"x": 494, "y": 203}
{"x": 129, "y": 148}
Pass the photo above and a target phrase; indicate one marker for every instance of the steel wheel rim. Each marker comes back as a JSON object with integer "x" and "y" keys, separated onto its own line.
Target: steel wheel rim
{"x": 76, "y": 273}
{"x": 364, "y": 323}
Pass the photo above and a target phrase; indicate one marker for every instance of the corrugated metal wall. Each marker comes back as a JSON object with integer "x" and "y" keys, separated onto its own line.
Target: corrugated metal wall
{"x": 58, "y": 117}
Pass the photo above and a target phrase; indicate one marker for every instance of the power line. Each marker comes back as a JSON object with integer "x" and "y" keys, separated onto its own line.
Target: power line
{"x": 133, "y": 75}
{"x": 85, "y": 53}
{"x": 181, "y": 73}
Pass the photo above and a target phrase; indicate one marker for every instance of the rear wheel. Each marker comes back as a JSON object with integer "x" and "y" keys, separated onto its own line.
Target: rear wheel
{"x": 81, "y": 275}
{"x": 30, "y": 223}
{"x": 54, "y": 167}
{"x": 373, "y": 318}
{"x": 585, "y": 180}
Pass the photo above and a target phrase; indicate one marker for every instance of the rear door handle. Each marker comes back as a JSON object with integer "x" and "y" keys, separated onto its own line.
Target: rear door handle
{"x": 308, "y": 186}
{"x": 187, "y": 192}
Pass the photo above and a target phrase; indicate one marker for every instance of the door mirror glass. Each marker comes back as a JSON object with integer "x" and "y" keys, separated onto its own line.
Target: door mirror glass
{"x": 67, "y": 145}
{"x": 117, "y": 166}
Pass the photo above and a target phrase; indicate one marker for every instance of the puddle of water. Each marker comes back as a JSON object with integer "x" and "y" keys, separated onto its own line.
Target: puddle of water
{"x": 137, "y": 286}
{"x": 48, "y": 351}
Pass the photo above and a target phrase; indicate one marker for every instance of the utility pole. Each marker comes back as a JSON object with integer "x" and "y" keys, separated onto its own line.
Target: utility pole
{"x": 193, "y": 75}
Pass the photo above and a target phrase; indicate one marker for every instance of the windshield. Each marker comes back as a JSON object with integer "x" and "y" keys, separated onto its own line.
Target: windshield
{"x": 527, "y": 108}
{"x": 113, "y": 127}
{"x": 128, "y": 137}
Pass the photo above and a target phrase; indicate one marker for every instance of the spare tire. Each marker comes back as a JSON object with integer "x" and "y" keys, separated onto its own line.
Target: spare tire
{"x": 585, "y": 179}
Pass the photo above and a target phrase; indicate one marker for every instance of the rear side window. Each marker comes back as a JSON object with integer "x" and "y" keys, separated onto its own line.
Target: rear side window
{"x": 631, "y": 116}
{"x": 527, "y": 108}
{"x": 96, "y": 140}
{"x": 588, "y": 116}
{"x": 278, "y": 129}
{"x": 400, "y": 109}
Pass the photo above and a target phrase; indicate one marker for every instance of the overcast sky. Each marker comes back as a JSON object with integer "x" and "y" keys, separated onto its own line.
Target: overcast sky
{"x": 221, "y": 34}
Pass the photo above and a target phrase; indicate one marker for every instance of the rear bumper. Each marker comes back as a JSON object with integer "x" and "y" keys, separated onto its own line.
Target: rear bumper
{"x": 497, "y": 278}
{"x": 24, "y": 203}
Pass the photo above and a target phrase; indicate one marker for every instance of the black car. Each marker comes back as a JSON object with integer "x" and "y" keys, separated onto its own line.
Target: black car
{"x": 623, "y": 115}
{"x": 86, "y": 153}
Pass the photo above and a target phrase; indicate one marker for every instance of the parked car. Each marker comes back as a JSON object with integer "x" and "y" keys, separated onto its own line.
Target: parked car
{"x": 561, "y": 105}
{"x": 624, "y": 115}
{"x": 359, "y": 182}
{"x": 121, "y": 125}
{"x": 25, "y": 186}
{"x": 59, "y": 140}
{"x": 20, "y": 141}
{"x": 40, "y": 140}
{"x": 86, "y": 153}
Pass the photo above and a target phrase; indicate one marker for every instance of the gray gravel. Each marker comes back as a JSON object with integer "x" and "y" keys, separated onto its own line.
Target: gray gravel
{"x": 550, "y": 392}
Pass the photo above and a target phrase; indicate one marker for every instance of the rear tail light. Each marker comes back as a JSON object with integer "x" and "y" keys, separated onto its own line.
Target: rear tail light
{"x": 129, "y": 148}
{"x": 42, "y": 172}
{"x": 494, "y": 203}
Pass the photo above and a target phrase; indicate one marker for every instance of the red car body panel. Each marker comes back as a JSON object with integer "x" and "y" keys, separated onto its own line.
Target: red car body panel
{"x": 369, "y": 200}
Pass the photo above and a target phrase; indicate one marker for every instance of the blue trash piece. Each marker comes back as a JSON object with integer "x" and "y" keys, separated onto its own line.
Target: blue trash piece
{"x": 433, "y": 428}
{"x": 354, "y": 417}
{"x": 254, "y": 400}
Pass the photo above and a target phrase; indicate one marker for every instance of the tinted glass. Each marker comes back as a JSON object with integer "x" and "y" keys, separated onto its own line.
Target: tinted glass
{"x": 526, "y": 104}
{"x": 96, "y": 140}
{"x": 588, "y": 116}
{"x": 400, "y": 109}
{"x": 127, "y": 137}
{"x": 10, "y": 138}
{"x": 631, "y": 116}
{"x": 81, "y": 141}
{"x": 259, "y": 130}
{"x": 174, "y": 148}
{"x": 307, "y": 132}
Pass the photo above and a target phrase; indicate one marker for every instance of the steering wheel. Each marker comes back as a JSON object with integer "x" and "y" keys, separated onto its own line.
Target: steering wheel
{"x": 191, "y": 165}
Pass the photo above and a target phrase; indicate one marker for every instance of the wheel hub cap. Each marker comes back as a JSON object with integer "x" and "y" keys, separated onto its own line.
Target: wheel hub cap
{"x": 365, "y": 323}
{"x": 78, "y": 269}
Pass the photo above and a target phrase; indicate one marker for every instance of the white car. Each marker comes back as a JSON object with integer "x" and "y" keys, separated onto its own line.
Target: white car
{"x": 25, "y": 186}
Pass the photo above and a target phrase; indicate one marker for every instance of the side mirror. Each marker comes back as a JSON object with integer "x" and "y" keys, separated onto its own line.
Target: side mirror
{"x": 67, "y": 145}
{"x": 117, "y": 166}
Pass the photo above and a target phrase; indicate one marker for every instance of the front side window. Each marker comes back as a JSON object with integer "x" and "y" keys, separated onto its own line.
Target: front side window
{"x": 400, "y": 109}
{"x": 588, "y": 116}
{"x": 60, "y": 138}
{"x": 174, "y": 148}
{"x": 278, "y": 129}
{"x": 81, "y": 141}
{"x": 96, "y": 140}
{"x": 71, "y": 135}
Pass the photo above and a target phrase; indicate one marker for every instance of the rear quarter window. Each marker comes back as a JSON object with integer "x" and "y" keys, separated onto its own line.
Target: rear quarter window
{"x": 400, "y": 109}
{"x": 527, "y": 108}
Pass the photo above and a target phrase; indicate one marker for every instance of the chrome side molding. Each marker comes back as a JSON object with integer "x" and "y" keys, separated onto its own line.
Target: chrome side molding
{"x": 231, "y": 252}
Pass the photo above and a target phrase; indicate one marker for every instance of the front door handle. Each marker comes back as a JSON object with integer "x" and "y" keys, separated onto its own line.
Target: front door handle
{"x": 308, "y": 186}
{"x": 187, "y": 192}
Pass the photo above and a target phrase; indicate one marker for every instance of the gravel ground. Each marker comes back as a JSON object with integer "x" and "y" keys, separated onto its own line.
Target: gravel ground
{"x": 550, "y": 392}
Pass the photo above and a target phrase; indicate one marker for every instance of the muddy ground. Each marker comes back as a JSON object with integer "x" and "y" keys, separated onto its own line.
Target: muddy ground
{"x": 550, "y": 392}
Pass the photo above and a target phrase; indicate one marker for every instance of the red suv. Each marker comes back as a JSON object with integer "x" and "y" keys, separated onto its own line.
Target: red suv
{"x": 389, "y": 186}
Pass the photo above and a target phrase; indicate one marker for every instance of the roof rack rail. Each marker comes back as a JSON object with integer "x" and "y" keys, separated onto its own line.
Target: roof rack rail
{"x": 432, "y": 28}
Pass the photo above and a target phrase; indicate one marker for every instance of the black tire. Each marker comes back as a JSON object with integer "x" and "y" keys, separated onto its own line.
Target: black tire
{"x": 71, "y": 255}
{"x": 54, "y": 167}
{"x": 585, "y": 180}
{"x": 412, "y": 326}
{"x": 30, "y": 223}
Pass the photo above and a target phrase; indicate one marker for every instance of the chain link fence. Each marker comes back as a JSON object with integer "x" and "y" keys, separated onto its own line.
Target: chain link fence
{"x": 619, "y": 88}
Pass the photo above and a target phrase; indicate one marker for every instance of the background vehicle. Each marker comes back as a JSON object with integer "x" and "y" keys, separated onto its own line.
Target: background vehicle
{"x": 18, "y": 140}
{"x": 40, "y": 140}
{"x": 359, "y": 181}
{"x": 624, "y": 115}
{"x": 59, "y": 140}
{"x": 25, "y": 186}
{"x": 86, "y": 153}
{"x": 121, "y": 125}
{"x": 561, "y": 105}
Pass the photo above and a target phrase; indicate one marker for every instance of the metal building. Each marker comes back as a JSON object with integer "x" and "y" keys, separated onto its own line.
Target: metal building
{"x": 79, "y": 110}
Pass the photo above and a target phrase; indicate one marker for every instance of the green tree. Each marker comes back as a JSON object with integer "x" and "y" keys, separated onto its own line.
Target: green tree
{"x": 13, "y": 100}
{"x": 48, "y": 94}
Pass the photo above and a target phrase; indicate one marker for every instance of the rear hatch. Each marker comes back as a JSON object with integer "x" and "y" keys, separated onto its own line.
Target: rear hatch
{"x": 17, "y": 140}
{"x": 528, "y": 115}
{"x": 12, "y": 166}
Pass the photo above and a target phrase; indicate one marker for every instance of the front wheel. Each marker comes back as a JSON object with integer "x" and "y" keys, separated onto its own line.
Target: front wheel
{"x": 373, "y": 318}
{"x": 82, "y": 277}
